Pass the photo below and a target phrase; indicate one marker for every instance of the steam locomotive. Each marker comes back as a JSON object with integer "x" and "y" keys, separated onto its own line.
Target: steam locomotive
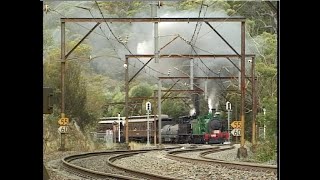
{"x": 207, "y": 129}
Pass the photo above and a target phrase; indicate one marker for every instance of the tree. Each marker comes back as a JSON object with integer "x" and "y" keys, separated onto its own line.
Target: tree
{"x": 123, "y": 8}
{"x": 75, "y": 85}
{"x": 139, "y": 90}
{"x": 174, "y": 108}
{"x": 262, "y": 17}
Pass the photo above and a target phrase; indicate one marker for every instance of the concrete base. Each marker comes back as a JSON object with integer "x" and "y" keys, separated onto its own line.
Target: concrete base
{"x": 242, "y": 152}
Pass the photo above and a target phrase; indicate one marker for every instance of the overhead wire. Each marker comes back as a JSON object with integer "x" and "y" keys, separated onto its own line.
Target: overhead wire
{"x": 138, "y": 58}
{"x": 193, "y": 46}
{"x": 122, "y": 42}
{"x": 103, "y": 35}
{"x": 225, "y": 19}
{"x": 192, "y": 38}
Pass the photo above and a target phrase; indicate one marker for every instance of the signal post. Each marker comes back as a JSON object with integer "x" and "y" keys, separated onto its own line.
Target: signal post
{"x": 228, "y": 108}
{"x": 148, "y": 108}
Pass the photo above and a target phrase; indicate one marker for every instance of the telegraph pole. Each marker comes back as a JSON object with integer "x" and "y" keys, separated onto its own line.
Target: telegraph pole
{"x": 242, "y": 151}
{"x": 63, "y": 71}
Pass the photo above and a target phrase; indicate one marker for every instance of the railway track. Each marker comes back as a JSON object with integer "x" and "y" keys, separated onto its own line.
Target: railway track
{"x": 114, "y": 171}
{"x": 135, "y": 172}
{"x": 174, "y": 155}
{"x": 111, "y": 170}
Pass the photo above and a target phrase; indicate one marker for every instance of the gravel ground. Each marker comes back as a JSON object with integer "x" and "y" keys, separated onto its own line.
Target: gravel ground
{"x": 98, "y": 163}
{"x": 231, "y": 155}
{"x": 54, "y": 168}
{"x": 196, "y": 154}
{"x": 53, "y": 165}
{"x": 158, "y": 164}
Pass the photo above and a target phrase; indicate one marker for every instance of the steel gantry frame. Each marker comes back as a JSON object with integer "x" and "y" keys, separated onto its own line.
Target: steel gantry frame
{"x": 157, "y": 20}
{"x": 180, "y": 56}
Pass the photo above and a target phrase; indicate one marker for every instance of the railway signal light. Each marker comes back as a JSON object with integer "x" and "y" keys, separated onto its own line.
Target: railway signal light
{"x": 148, "y": 106}
{"x": 228, "y": 105}
{"x": 159, "y": 4}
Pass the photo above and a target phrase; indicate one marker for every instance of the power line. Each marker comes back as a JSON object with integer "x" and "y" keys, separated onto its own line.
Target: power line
{"x": 225, "y": 19}
{"x": 123, "y": 43}
{"x": 207, "y": 52}
{"x": 192, "y": 46}
{"x": 139, "y": 59}
{"x": 200, "y": 26}
{"x": 103, "y": 35}
{"x": 193, "y": 43}
{"x": 204, "y": 63}
{"x": 115, "y": 49}
{"x": 76, "y": 22}
{"x": 195, "y": 29}
{"x": 109, "y": 38}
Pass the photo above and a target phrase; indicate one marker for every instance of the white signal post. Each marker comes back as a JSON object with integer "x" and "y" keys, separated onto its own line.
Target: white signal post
{"x": 148, "y": 108}
{"x": 228, "y": 108}
{"x": 119, "y": 127}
